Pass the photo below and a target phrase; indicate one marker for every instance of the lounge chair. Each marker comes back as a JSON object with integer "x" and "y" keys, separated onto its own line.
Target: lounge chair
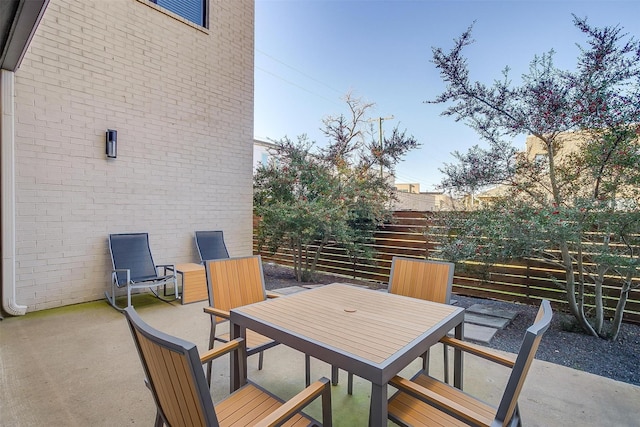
{"x": 211, "y": 245}
{"x": 173, "y": 370}
{"x": 133, "y": 267}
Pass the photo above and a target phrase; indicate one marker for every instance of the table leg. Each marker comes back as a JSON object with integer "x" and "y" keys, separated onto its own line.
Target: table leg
{"x": 238, "y": 364}
{"x": 378, "y": 408}
{"x": 334, "y": 375}
{"x": 457, "y": 358}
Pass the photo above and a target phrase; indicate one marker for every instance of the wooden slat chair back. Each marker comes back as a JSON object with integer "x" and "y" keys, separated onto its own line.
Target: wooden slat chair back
{"x": 423, "y": 279}
{"x": 210, "y": 245}
{"x": 425, "y": 401}
{"x": 235, "y": 282}
{"x": 173, "y": 370}
{"x": 133, "y": 267}
{"x": 231, "y": 283}
{"x": 174, "y": 375}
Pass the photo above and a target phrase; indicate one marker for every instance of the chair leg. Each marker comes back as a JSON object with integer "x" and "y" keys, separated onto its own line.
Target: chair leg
{"x": 445, "y": 357}
{"x": 209, "y": 369}
{"x": 425, "y": 362}
{"x": 260, "y": 360}
{"x": 516, "y": 420}
{"x": 176, "y": 292}
{"x": 159, "y": 422}
{"x": 307, "y": 370}
{"x": 212, "y": 338}
{"x": 111, "y": 299}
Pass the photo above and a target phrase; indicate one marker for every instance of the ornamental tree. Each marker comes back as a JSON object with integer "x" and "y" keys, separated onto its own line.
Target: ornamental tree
{"x": 309, "y": 198}
{"x": 577, "y": 206}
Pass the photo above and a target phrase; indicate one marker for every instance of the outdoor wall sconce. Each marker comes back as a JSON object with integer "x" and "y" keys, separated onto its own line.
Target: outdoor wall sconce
{"x": 112, "y": 143}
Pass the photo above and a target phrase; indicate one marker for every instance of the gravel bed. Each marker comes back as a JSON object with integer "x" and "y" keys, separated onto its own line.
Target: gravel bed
{"x": 617, "y": 360}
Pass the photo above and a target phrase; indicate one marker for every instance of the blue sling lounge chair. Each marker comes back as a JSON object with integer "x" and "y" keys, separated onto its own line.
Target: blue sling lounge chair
{"x": 133, "y": 267}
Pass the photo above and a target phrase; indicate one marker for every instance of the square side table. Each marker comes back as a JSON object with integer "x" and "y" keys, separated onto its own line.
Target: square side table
{"x": 194, "y": 282}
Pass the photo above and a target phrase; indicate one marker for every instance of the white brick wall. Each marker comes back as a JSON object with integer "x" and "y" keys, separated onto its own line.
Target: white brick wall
{"x": 181, "y": 99}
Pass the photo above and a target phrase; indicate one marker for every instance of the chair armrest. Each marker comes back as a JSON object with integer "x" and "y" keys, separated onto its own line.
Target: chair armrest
{"x": 217, "y": 312}
{"x": 114, "y": 276}
{"x": 441, "y": 402}
{"x": 273, "y": 295}
{"x": 479, "y": 351}
{"x": 221, "y": 350}
{"x": 166, "y": 267}
{"x": 299, "y": 401}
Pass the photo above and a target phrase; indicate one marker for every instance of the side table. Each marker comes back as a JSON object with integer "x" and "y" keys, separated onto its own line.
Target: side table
{"x": 194, "y": 282}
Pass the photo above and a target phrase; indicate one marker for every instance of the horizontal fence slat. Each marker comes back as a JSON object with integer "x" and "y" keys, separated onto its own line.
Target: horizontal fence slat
{"x": 526, "y": 281}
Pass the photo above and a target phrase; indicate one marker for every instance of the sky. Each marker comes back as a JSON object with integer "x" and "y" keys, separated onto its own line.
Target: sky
{"x": 310, "y": 53}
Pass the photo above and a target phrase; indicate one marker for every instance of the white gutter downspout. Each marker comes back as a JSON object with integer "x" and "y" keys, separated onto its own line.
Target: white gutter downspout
{"x": 8, "y": 194}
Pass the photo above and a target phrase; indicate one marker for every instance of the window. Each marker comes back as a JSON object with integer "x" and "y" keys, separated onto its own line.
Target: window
{"x": 191, "y": 10}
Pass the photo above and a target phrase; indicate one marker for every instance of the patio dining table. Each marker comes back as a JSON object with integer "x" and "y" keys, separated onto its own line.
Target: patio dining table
{"x": 370, "y": 333}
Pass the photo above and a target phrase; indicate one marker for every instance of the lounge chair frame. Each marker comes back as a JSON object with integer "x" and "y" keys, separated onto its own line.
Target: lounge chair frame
{"x": 133, "y": 268}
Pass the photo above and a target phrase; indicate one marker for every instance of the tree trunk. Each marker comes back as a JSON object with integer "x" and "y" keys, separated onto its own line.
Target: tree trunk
{"x": 570, "y": 289}
{"x": 622, "y": 302}
{"x": 316, "y": 256}
{"x": 297, "y": 260}
{"x": 599, "y": 281}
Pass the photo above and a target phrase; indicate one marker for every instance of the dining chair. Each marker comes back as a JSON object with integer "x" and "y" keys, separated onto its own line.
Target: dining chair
{"x": 424, "y": 279}
{"x": 231, "y": 283}
{"x": 425, "y": 401}
{"x": 174, "y": 374}
{"x": 133, "y": 267}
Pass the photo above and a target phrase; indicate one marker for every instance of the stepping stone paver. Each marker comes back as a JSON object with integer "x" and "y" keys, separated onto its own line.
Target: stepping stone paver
{"x": 492, "y": 311}
{"x": 484, "y": 320}
{"x": 478, "y": 333}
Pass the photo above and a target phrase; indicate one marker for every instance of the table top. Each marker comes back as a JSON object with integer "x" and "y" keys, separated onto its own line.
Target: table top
{"x": 371, "y": 333}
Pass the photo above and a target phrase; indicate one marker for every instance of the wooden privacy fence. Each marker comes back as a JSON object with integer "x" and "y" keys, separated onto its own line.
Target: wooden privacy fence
{"x": 527, "y": 281}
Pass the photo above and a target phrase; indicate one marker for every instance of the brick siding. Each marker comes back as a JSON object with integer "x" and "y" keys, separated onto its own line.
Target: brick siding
{"x": 181, "y": 99}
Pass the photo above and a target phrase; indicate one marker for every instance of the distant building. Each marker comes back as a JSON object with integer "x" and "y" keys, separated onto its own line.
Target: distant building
{"x": 423, "y": 202}
{"x": 261, "y": 152}
{"x": 535, "y": 150}
{"x": 408, "y": 188}
{"x": 474, "y": 201}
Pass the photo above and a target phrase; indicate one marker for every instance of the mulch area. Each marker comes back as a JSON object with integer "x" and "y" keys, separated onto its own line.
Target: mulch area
{"x": 617, "y": 360}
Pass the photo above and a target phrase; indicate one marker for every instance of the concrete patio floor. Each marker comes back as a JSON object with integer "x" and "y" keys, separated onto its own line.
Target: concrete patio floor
{"x": 77, "y": 366}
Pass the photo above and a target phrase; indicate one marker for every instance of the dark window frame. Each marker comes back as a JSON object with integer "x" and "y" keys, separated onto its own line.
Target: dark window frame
{"x": 204, "y": 17}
